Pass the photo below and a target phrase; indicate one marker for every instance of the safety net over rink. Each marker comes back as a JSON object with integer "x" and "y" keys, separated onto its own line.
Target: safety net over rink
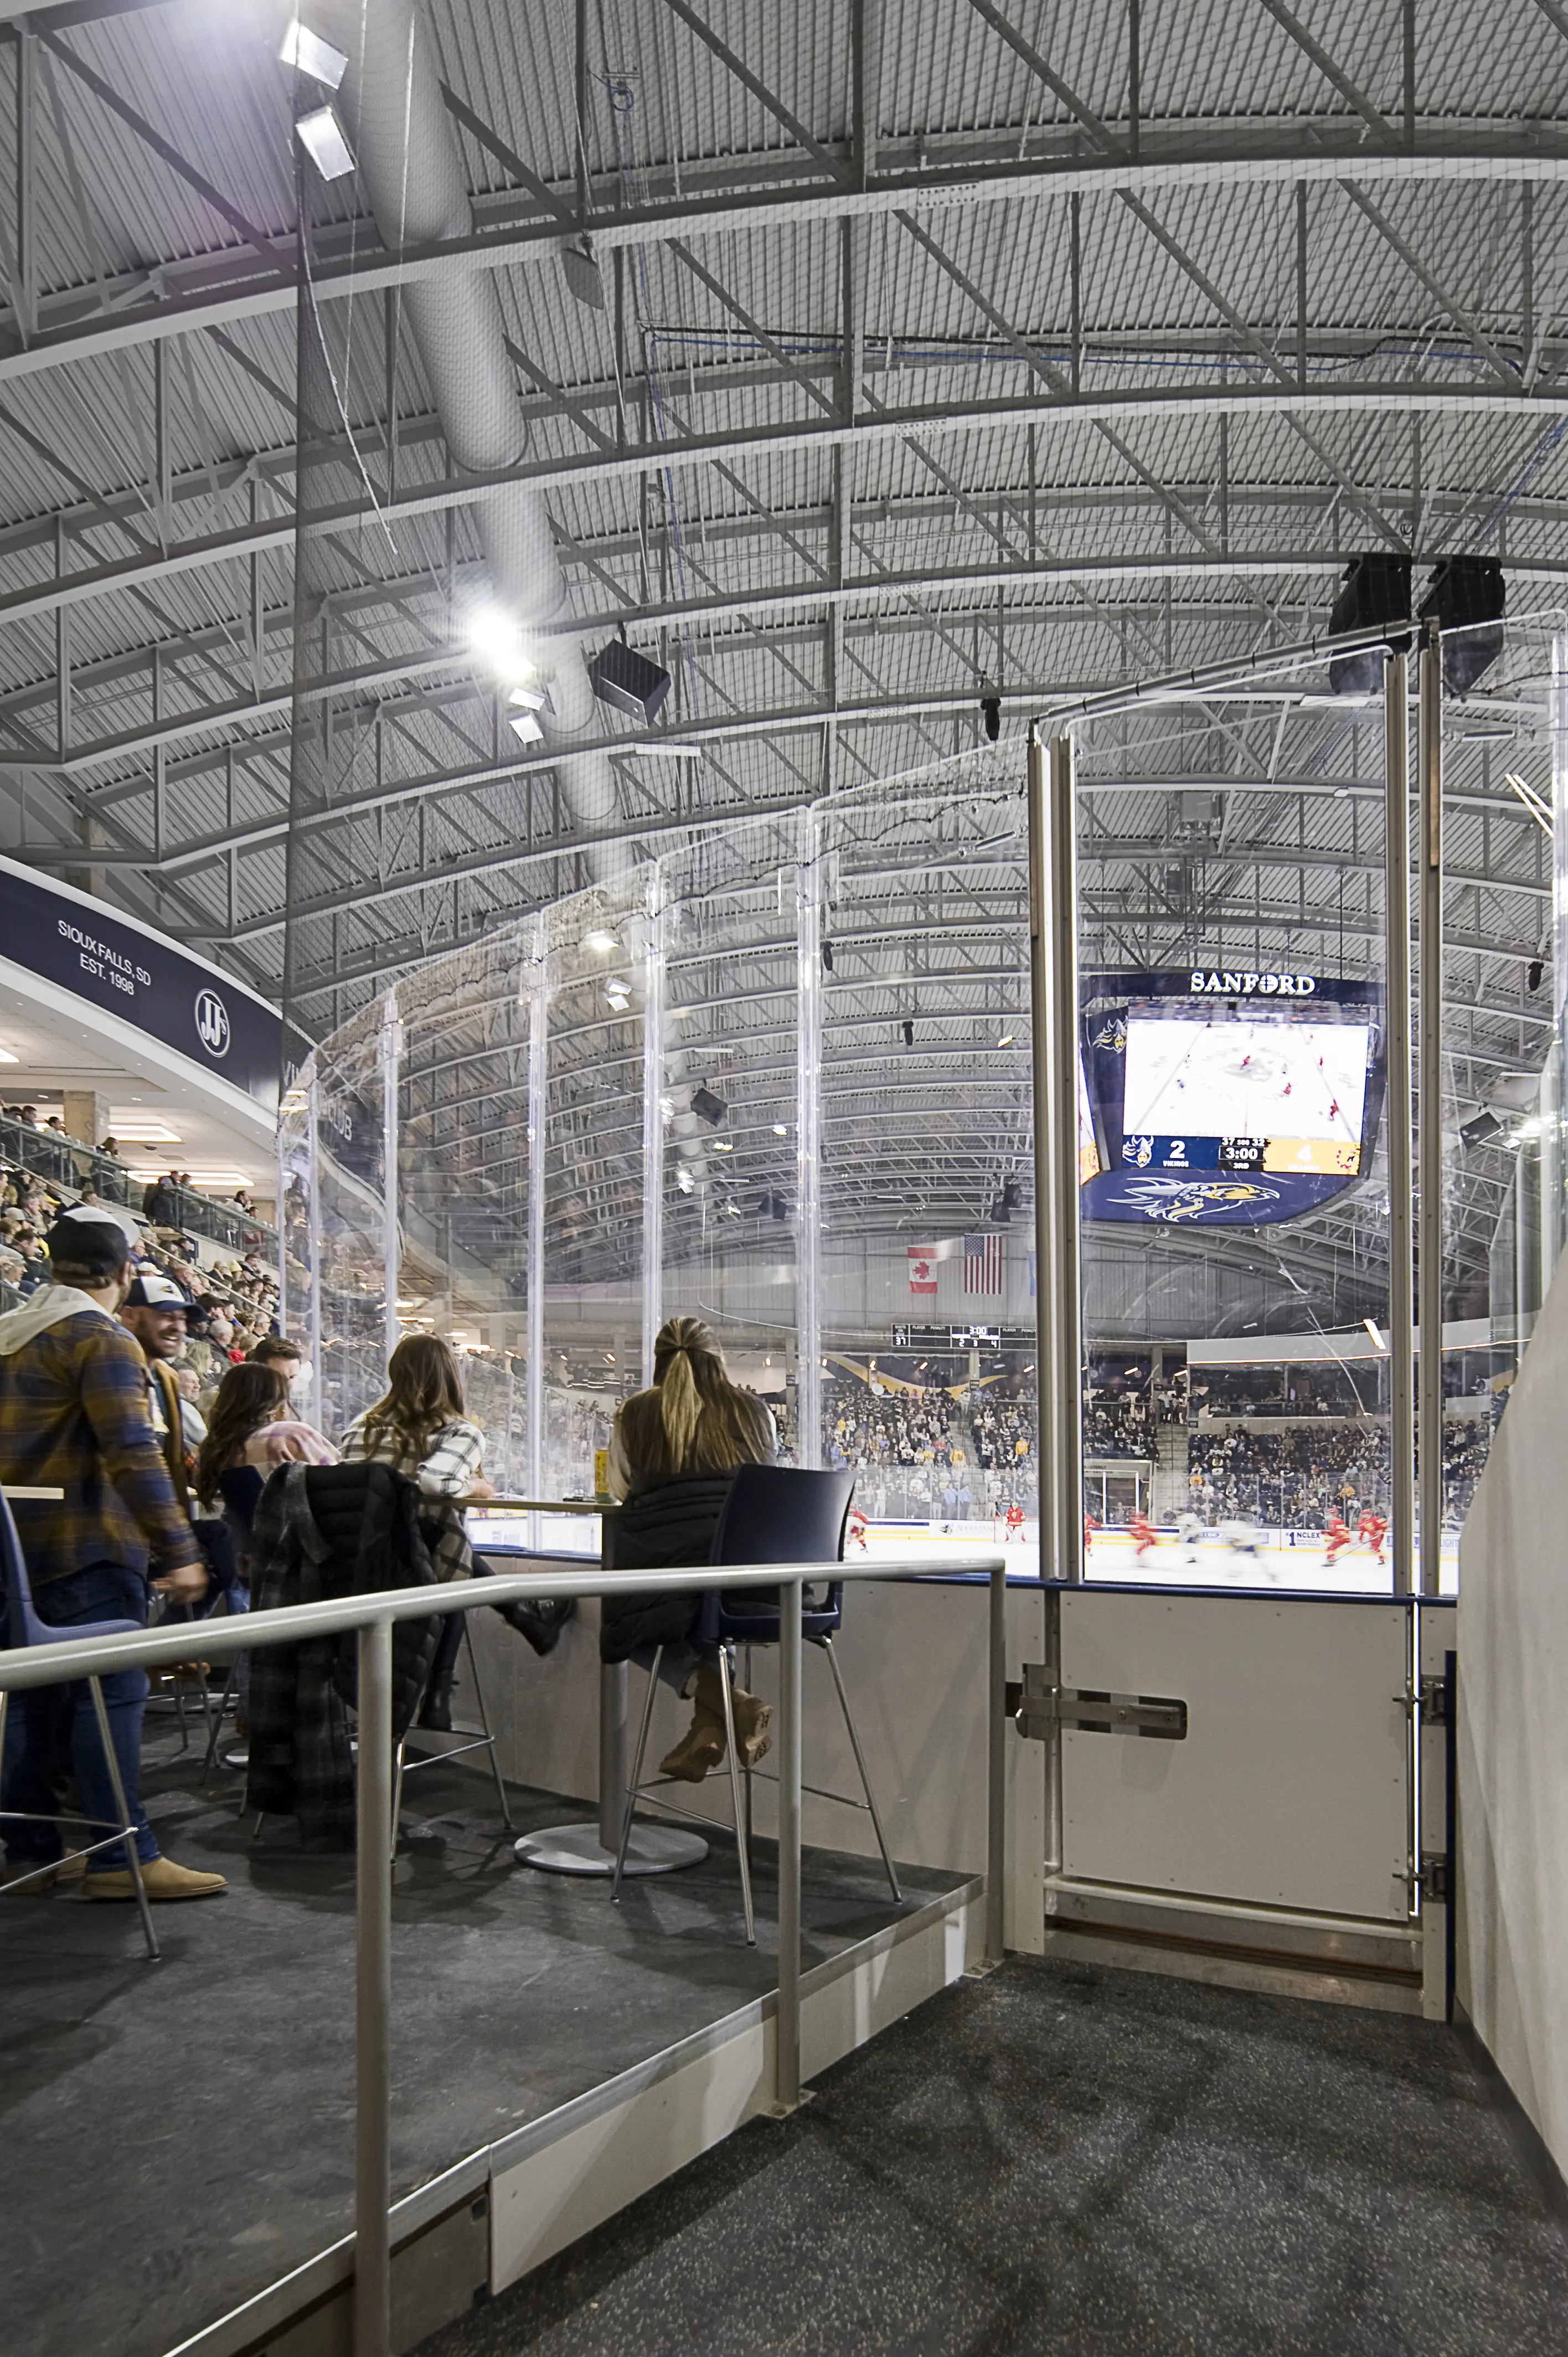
{"x": 782, "y": 1079}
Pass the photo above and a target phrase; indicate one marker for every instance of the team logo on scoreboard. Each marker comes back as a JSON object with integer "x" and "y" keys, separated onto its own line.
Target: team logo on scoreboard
{"x": 212, "y": 1023}
{"x": 1195, "y": 1199}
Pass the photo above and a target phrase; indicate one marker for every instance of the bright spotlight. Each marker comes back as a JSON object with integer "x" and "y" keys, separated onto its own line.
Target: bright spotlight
{"x": 321, "y": 136}
{"x": 600, "y": 939}
{"x": 495, "y": 638}
{"x": 313, "y": 56}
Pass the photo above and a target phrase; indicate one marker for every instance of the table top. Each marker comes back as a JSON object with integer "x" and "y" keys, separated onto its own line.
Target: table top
{"x": 539, "y": 1505}
{"x": 31, "y": 1490}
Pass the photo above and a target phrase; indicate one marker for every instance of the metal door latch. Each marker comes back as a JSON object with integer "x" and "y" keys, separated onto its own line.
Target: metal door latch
{"x": 1045, "y": 1705}
{"x": 1430, "y": 1698}
{"x": 1431, "y": 1877}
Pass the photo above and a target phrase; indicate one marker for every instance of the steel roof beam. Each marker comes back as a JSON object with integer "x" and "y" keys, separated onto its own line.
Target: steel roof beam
{"x": 759, "y": 194}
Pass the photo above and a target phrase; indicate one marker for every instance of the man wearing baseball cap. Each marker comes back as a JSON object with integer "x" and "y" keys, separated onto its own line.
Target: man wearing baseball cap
{"x": 73, "y": 1416}
{"x": 154, "y": 1310}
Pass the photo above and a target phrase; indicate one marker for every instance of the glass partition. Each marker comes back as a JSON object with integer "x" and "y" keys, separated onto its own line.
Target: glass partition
{"x": 1235, "y": 1071}
{"x": 349, "y": 1316}
{"x": 1504, "y": 977}
{"x": 927, "y": 1323}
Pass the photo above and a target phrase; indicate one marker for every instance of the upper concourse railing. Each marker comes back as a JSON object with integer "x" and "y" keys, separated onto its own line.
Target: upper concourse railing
{"x": 372, "y": 1616}
{"x": 54, "y": 1158}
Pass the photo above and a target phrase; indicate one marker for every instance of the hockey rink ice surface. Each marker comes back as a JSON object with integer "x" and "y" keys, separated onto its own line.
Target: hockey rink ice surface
{"x": 1212, "y": 1562}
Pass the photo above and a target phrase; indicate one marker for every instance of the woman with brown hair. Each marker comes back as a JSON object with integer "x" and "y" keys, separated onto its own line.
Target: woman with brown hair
{"x": 421, "y": 1428}
{"x": 675, "y": 1449}
{"x": 249, "y": 1424}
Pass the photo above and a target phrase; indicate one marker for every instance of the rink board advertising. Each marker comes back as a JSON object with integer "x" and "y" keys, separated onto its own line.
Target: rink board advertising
{"x": 1215, "y": 1096}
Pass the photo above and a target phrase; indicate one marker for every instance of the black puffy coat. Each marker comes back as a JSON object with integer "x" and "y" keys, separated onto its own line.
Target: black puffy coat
{"x": 661, "y": 1526}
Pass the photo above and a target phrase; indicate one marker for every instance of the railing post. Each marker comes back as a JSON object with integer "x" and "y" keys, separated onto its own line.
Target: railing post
{"x": 996, "y": 1770}
{"x": 372, "y": 1998}
{"x": 391, "y": 1231}
{"x": 787, "y": 2026}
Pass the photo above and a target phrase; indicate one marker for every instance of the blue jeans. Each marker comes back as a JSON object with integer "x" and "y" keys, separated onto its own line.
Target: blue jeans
{"x": 678, "y": 1664}
{"x": 48, "y": 1724}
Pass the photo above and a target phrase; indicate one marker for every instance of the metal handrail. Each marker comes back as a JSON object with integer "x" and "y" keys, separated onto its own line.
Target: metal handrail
{"x": 373, "y": 1616}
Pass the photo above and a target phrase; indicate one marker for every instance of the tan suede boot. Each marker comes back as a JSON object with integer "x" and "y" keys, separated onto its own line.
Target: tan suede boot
{"x": 699, "y": 1752}
{"x": 752, "y": 1715}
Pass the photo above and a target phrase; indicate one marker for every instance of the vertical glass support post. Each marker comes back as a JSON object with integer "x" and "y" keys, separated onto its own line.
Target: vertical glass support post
{"x": 392, "y": 1227}
{"x": 653, "y": 1123}
{"x": 1397, "y": 1015}
{"x": 316, "y": 1249}
{"x": 808, "y": 1144}
{"x": 1047, "y": 1420}
{"x": 280, "y": 1218}
{"x": 1429, "y": 1232}
{"x": 1554, "y": 1160}
{"x": 538, "y": 1050}
{"x": 1064, "y": 1375}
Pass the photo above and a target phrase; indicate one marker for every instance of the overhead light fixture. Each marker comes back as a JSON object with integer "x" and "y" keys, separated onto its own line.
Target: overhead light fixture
{"x": 723, "y": 1145}
{"x": 527, "y": 697}
{"x": 8, "y": 1057}
{"x": 1005, "y": 1040}
{"x": 619, "y": 996}
{"x": 312, "y": 55}
{"x": 582, "y": 275}
{"x": 321, "y": 136}
{"x": 496, "y": 637}
{"x": 780, "y": 1129}
{"x": 602, "y": 940}
{"x": 684, "y": 1181}
{"x": 525, "y": 727}
{"x": 667, "y": 753}
{"x": 144, "y": 1132}
{"x": 1377, "y": 1338}
{"x": 1481, "y": 1130}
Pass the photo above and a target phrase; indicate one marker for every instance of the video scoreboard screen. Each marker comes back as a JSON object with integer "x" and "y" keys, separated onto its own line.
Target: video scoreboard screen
{"x": 1225, "y": 1097}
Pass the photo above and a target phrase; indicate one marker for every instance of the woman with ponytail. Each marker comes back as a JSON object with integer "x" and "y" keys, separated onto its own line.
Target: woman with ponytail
{"x": 675, "y": 1449}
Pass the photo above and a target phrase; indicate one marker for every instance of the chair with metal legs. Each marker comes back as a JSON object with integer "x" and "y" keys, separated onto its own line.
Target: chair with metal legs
{"x": 23, "y": 1626}
{"x": 484, "y": 1740}
{"x": 772, "y": 1514}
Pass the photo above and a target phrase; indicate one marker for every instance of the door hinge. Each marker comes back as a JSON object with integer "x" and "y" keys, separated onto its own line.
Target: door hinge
{"x": 1045, "y": 1705}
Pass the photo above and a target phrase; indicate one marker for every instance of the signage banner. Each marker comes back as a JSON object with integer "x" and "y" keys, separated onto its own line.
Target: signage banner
{"x": 128, "y": 971}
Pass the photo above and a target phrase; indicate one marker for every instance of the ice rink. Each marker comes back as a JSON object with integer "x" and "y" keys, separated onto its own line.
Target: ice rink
{"x": 1213, "y": 1562}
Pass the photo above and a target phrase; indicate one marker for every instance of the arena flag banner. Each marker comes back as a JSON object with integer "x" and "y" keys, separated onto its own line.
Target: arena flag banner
{"x": 129, "y": 970}
{"x": 923, "y": 1269}
{"x": 983, "y": 1266}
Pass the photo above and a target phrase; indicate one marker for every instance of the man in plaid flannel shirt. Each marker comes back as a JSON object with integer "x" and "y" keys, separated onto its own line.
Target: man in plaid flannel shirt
{"x": 74, "y": 1417}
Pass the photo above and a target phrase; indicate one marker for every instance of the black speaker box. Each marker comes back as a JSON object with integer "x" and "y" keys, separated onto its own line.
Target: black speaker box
{"x": 1468, "y": 596}
{"x": 1374, "y": 595}
{"x": 629, "y": 681}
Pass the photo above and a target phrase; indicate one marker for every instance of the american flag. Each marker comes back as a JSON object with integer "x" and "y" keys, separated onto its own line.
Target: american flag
{"x": 981, "y": 1265}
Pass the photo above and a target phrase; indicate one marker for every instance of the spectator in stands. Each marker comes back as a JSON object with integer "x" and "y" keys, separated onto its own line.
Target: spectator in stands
{"x": 251, "y": 1425}
{"x": 674, "y": 1450}
{"x": 420, "y": 1427}
{"x": 278, "y": 1350}
{"x": 111, "y": 1146}
{"x": 73, "y": 1416}
{"x": 158, "y": 1203}
{"x": 154, "y": 1311}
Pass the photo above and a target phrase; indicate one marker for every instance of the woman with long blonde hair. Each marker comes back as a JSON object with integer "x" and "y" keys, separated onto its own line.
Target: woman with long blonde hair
{"x": 421, "y": 1428}
{"x": 675, "y": 1450}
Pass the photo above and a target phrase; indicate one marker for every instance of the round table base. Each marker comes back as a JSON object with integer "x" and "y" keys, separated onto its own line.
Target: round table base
{"x": 577, "y": 1849}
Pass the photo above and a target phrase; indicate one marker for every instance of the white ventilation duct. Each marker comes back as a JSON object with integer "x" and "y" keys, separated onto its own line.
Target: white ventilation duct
{"x": 411, "y": 171}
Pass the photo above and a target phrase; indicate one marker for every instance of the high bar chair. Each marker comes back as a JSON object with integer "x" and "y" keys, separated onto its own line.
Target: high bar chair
{"x": 23, "y": 1626}
{"x": 773, "y": 1514}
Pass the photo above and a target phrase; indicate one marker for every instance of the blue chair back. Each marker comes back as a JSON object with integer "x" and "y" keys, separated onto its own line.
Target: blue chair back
{"x": 776, "y": 1513}
{"x": 23, "y": 1626}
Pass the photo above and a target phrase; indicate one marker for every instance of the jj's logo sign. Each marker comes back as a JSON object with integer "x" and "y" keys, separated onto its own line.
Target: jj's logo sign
{"x": 212, "y": 1023}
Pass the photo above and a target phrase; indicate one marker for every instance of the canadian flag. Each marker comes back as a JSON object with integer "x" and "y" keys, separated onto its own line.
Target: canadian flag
{"x": 923, "y": 1269}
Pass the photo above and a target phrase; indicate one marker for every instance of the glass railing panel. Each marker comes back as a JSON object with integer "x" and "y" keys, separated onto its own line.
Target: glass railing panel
{"x": 1233, "y": 1042}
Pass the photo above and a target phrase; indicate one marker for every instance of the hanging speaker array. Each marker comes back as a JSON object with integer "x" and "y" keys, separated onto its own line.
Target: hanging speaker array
{"x": 1466, "y": 594}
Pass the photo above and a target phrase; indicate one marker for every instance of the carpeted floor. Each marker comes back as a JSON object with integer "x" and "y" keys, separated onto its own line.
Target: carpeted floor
{"x": 1068, "y": 2158}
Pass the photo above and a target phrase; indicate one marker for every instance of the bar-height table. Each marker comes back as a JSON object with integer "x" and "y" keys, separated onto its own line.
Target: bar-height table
{"x": 589, "y": 1846}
